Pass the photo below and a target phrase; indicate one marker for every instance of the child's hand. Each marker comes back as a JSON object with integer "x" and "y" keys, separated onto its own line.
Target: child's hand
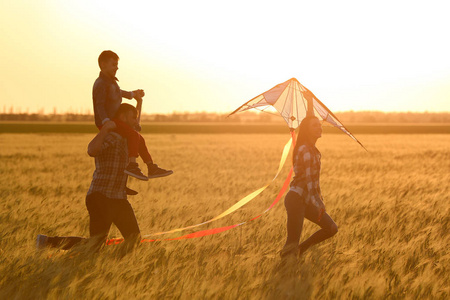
{"x": 138, "y": 94}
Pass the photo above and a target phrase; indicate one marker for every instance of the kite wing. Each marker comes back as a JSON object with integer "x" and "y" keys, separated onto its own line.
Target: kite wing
{"x": 287, "y": 98}
{"x": 294, "y": 102}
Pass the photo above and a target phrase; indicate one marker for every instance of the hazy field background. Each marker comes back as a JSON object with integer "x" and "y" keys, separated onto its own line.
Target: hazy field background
{"x": 391, "y": 206}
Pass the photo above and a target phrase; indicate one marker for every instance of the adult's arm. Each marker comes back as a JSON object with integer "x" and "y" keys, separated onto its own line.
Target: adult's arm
{"x": 139, "y": 109}
{"x": 309, "y": 100}
{"x": 95, "y": 146}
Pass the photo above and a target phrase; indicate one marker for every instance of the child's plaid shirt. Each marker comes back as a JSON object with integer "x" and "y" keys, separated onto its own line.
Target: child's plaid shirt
{"x": 109, "y": 178}
{"x": 307, "y": 171}
{"x": 107, "y": 97}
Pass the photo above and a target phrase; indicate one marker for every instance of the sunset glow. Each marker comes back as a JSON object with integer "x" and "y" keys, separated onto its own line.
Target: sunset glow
{"x": 211, "y": 56}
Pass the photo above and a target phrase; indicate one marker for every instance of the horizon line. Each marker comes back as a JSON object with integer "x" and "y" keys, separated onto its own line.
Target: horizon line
{"x": 12, "y": 111}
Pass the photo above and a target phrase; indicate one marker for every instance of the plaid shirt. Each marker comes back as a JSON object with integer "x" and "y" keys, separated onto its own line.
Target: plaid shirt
{"x": 109, "y": 178}
{"x": 307, "y": 172}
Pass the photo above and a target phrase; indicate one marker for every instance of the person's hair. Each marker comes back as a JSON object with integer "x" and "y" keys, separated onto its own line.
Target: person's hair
{"x": 105, "y": 56}
{"x": 124, "y": 108}
{"x": 303, "y": 134}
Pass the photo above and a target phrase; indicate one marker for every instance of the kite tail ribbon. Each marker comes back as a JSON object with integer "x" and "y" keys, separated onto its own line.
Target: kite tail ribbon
{"x": 239, "y": 204}
{"x": 212, "y": 231}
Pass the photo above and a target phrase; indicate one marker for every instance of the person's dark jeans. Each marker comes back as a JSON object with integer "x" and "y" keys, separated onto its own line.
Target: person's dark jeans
{"x": 103, "y": 212}
{"x": 297, "y": 211}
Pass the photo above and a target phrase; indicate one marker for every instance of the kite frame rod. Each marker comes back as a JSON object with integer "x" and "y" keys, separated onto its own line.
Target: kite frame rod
{"x": 255, "y": 98}
{"x": 331, "y": 113}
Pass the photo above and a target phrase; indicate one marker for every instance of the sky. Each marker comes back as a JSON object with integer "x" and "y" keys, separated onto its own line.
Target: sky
{"x": 212, "y": 56}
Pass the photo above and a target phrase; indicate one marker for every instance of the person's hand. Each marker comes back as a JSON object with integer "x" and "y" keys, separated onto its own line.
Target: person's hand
{"x": 138, "y": 94}
{"x": 109, "y": 125}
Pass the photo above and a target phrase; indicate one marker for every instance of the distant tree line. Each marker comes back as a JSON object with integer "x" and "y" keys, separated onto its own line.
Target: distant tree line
{"x": 393, "y": 117}
{"x": 246, "y": 117}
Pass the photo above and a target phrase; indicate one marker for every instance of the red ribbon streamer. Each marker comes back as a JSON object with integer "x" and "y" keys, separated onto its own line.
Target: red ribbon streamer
{"x": 212, "y": 231}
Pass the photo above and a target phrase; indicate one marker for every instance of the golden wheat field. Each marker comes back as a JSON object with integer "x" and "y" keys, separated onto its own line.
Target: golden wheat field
{"x": 391, "y": 205}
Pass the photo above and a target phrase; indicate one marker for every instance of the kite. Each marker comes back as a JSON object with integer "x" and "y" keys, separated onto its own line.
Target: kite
{"x": 293, "y": 102}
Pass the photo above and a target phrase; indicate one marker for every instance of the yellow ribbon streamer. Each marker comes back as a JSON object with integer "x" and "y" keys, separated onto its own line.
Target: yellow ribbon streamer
{"x": 241, "y": 202}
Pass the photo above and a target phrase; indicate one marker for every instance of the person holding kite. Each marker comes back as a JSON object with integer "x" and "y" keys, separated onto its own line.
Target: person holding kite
{"x": 301, "y": 109}
{"x": 304, "y": 199}
{"x": 107, "y": 97}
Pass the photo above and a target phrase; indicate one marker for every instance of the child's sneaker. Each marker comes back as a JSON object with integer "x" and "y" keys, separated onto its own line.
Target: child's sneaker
{"x": 41, "y": 242}
{"x": 133, "y": 170}
{"x": 154, "y": 171}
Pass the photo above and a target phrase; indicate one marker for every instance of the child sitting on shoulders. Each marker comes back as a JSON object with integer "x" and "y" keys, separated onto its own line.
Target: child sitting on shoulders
{"x": 107, "y": 97}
